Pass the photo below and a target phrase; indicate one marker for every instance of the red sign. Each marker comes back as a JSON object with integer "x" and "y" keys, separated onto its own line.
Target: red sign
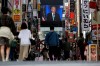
{"x": 95, "y": 26}
{"x": 72, "y": 15}
{"x": 92, "y": 4}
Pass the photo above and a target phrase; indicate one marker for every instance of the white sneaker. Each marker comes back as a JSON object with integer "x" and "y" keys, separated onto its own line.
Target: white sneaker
{"x": 6, "y": 60}
{"x": 17, "y": 60}
{"x": 3, "y": 60}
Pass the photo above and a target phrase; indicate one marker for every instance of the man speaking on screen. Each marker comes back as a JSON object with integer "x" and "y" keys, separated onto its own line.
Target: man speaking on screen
{"x": 53, "y": 16}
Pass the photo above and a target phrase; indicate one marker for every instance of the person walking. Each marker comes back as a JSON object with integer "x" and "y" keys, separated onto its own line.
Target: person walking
{"x": 66, "y": 48}
{"x": 24, "y": 37}
{"x": 81, "y": 46}
{"x": 52, "y": 41}
{"x": 7, "y": 32}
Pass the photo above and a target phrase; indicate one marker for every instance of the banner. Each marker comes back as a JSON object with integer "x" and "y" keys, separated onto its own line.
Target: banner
{"x": 95, "y": 20}
{"x": 95, "y": 35}
{"x": 93, "y": 52}
{"x": 85, "y": 15}
{"x": 17, "y": 10}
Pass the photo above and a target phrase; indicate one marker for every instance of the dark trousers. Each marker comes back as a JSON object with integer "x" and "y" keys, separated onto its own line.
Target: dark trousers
{"x": 66, "y": 55}
{"x": 53, "y": 52}
{"x": 13, "y": 54}
{"x": 82, "y": 53}
{"x": 58, "y": 53}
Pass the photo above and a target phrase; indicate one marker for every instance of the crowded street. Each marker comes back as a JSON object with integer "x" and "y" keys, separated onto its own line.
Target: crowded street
{"x": 49, "y": 32}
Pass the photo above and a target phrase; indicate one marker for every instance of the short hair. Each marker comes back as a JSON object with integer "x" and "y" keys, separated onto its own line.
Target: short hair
{"x": 24, "y": 19}
{"x": 23, "y": 26}
{"x": 52, "y": 6}
{"x": 4, "y": 10}
{"x": 51, "y": 27}
{"x": 81, "y": 34}
{"x": 65, "y": 39}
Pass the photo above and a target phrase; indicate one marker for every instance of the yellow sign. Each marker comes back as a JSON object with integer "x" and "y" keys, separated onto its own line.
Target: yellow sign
{"x": 38, "y": 7}
{"x": 16, "y": 17}
{"x": 16, "y": 11}
{"x": 72, "y": 21}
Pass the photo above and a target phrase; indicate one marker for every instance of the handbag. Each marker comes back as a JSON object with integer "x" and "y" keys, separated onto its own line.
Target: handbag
{"x": 6, "y": 32}
{"x": 13, "y": 43}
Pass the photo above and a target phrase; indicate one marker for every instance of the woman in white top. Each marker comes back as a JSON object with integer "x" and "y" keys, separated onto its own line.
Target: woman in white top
{"x": 24, "y": 37}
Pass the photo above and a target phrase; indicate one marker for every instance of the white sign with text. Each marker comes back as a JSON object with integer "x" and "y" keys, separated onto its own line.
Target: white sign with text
{"x": 85, "y": 15}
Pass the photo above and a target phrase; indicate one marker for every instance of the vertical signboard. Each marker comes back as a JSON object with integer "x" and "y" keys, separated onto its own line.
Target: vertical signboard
{"x": 34, "y": 4}
{"x": 17, "y": 10}
{"x": 38, "y": 5}
{"x": 95, "y": 35}
{"x": 85, "y": 15}
{"x": 95, "y": 29}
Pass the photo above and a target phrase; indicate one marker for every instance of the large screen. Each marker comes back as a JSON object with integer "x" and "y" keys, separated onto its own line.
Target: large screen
{"x": 51, "y": 13}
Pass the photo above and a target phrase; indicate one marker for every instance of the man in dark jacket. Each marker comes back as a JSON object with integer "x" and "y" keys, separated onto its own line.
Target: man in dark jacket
{"x": 81, "y": 46}
{"x": 52, "y": 40}
{"x": 66, "y": 48}
{"x": 53, "y": 16}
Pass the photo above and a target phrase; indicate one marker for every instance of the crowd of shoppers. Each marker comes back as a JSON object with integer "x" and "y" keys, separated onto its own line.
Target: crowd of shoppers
{"x": 54, "y": 47}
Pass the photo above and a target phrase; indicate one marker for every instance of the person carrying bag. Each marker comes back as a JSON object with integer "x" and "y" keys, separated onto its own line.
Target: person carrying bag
{"x": 7, "y": 32}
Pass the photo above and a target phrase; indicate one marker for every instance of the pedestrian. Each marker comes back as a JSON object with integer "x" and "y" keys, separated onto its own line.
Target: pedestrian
{"x": 89, "y": 39}
{"x": 24, "y": 37}
{"x": 66, "y": 48}
{"x": 24, "y": 21}
{"x": 81, "y": 46}
{"x": 52, "y": 41}
{"x": 7, "y": 32}
{"x": 59, "y": 48}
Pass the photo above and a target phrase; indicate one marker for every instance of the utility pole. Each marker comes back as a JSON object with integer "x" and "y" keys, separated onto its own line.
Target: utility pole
{"x": 78, "y": 5}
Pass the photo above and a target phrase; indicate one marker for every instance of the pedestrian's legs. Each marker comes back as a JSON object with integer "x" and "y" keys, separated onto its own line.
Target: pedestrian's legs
{"x": 14, "y": 53}
{"x": 11, "y": 54}
{"x": 59, "y": 53}
{"x": 50, "y": 53}
{"x": 2, "y": 52}
{"x": 7, "y": 53}
{"x": 82, "y": 54}
{"x": 21, "y": 53}
{"x": 55, "y": 52}
{"x": 25, "y": 52}
{"x": 66, "y": 55}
